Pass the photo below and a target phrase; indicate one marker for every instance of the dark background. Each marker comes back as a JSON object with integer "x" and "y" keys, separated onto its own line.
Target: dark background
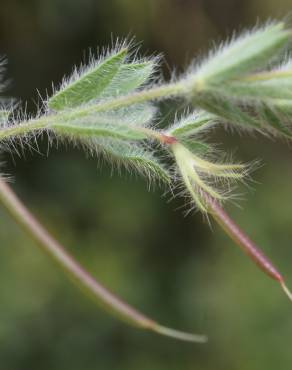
{"x": 174, "y": 268}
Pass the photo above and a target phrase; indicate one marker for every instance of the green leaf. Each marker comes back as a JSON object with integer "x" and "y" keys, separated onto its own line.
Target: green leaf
{"x": 192, "y": 124}
{"x": 99, "y": 127}
{"x": 196, "y": 147}
{"x": 129, "y": 123}
{"x": 128, "y": 78}
{"x": 272, "y": 116}
{"x": 275, "y": 84}
{"x": 248, "y": 52}
{"x": 102, "y": 129}
{"x": 134, "y": 156}
{"x": 89, "y": 84}
{"x": 228, "y": 110}
{"x": 139, "y": 115}
{"x": 277, "y": 118}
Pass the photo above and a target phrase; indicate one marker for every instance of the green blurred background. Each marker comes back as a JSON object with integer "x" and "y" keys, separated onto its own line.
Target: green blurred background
{"x": 174, "y": 268}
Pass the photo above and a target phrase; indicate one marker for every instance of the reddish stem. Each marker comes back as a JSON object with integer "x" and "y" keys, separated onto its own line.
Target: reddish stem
{"x": 241, "y": 239}
{"x": 74, "y": 269}
{"x": 245, "y": 243}
{"x": 167, "y": 139}
{"x": 110, "y": 301}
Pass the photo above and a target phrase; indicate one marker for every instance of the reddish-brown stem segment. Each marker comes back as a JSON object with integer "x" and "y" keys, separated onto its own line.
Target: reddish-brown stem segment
{"x": 241, "y": 239}
{"x": 244, "y": 242}
{"x": 121, "y": 309}
{"x": 167, "y": 139}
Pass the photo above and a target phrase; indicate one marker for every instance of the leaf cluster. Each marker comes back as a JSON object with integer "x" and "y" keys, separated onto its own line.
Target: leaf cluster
{"x": 107, "y": 106}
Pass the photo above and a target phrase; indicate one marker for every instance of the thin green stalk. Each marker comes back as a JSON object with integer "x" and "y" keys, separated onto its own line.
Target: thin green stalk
{"x": 80, "y": 276}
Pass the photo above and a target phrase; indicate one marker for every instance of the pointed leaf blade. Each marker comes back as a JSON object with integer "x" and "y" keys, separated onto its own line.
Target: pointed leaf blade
{"x": 144, "y": 162}
{"x": 129, "y": 77}
{"x": 89, "y": 85}
{"x": 192, "y": 124}
{"x": 133, "y": 156}
{"x": 261, "y": 86}
{"x": 130, "y": 123}
{"x": 99, "y": 127}
{"x": 246, "y": 53}
{"x": 196, "y": 147}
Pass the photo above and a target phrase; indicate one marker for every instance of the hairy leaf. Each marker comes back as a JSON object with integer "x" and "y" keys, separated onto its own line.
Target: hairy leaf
{"x": 99, "y": 127}
{"x": 129, "y": 123}
{"x": 196, "y": 147}
{"x": 261, "y": 86}
{"x": 278, "y": 117}
{"x": 139, "y": 115}
{"x": 192, "y": 124}
{"x": 248, "y": 52}
{"x": 128, "y": 78}
{"x": 274, "y": 116}
{"x": 228, "y": 110}
{"x": 133, "y": 156}
{"x": 88, "y": 85}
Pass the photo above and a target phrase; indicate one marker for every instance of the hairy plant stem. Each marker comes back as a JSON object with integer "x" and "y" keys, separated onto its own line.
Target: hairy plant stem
{"x": 48, "y": 121}
{"x": 24, "y": 128}
{"x": 55, "y": 250}
{"x": 142, "y": 96}
{"x": 76, "y": 272}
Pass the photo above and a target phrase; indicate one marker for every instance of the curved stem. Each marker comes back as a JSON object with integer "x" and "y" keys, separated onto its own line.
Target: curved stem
{"x": 55, "y": 250}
